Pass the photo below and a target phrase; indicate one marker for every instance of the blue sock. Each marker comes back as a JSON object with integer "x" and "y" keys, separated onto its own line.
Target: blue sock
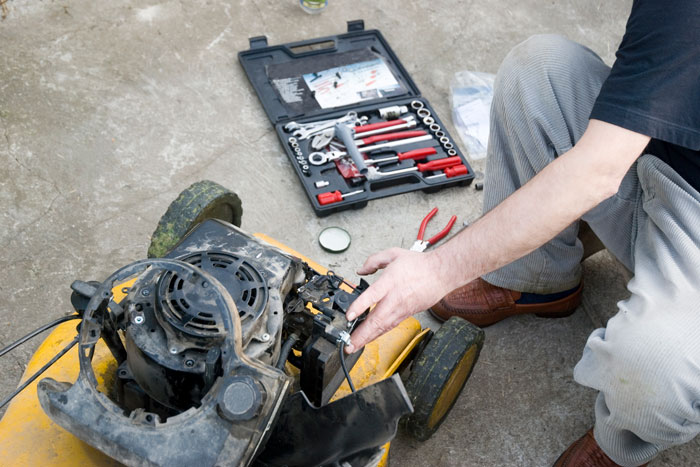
{"x": 532, "y": 298}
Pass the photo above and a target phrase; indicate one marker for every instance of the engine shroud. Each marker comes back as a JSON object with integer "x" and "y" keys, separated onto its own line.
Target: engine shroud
{"x": 241, "y": 279}
{"x": 175, "y": 329}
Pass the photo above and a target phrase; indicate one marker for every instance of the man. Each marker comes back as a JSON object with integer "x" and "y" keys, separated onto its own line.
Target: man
{"x": 620, "y": 149}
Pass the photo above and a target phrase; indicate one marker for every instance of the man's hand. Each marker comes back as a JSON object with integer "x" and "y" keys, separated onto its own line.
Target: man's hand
{"x": 410, "y": 283}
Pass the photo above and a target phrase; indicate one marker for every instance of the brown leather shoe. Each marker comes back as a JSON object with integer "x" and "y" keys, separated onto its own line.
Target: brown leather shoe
{"x": 585, "y": 452}
{"x": 484, "y": 304}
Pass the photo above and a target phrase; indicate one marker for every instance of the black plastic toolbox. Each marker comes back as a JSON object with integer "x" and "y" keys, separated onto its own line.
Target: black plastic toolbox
{"x": 283, "y": 77}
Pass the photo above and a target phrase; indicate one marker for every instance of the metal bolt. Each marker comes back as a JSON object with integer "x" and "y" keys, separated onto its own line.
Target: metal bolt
{"x": 265, "y": 337}
{"x": 189, "y": 363}
{"x": 344, "y": 337}
{"x": 138, "y": 319}
{"x": 145, "y": 292}
{"x": 173, "y": 350}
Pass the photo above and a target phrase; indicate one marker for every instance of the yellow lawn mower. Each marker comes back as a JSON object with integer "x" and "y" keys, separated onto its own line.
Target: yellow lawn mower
{"x": 224, "y": 348}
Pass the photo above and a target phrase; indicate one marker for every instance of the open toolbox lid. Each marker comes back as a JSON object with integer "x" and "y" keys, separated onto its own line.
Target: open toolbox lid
{"x": 313, "y": 77}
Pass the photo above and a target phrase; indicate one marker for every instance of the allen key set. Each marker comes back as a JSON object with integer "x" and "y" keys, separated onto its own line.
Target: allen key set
{"x": 352, "y": 121}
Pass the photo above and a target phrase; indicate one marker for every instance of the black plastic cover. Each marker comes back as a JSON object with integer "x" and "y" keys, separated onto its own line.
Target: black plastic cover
{"x": 276, "y": 71}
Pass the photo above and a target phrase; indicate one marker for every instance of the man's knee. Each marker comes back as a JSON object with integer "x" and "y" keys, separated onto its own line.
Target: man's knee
{"x": 540, "y": 52}
{"x": 648, "y": 375}
{"x": 530, "y": 64}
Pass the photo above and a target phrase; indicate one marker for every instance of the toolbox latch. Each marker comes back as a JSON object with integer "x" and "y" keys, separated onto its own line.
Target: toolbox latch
{"x": 257, "y": 42}
{"x": 356, "y": 25}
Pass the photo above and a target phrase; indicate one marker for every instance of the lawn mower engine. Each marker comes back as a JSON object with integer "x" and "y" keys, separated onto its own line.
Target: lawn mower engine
{"x": 227, "y": 352}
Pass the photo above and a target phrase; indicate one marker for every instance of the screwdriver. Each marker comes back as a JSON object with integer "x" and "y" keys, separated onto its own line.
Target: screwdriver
{"x": 390, "y": 137}
{"x": 415, "y": 154}
{"x": 331, "y": 197}
{"x": 450, "y": 172}
{"x": 383, "y": 127}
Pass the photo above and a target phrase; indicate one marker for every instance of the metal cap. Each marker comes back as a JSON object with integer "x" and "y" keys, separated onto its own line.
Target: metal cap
{"x": 334, "y": 239}
{"x": 240, "y": 398}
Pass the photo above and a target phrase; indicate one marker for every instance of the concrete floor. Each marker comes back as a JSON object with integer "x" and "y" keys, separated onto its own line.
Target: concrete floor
{"x": 109, "y": 109}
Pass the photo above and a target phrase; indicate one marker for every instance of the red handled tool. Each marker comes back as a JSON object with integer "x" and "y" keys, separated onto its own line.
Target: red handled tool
{"x": 391, "y": 137}
{"x": 402, "y": 156}
{"x": 331, "y": 197}
{"x": 438, "y": 164}
{"x": 450, "y": 172}
{"x": 380, "y": 125}
{"x": 384, "y": 127}
{"x": 420, "y": 244}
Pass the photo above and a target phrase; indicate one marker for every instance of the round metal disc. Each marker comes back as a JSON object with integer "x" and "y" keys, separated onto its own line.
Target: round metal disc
{"x": 334, "y": 239}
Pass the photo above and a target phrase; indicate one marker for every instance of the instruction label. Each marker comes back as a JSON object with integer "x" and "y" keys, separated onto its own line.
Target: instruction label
{"x": 349, "y": 84}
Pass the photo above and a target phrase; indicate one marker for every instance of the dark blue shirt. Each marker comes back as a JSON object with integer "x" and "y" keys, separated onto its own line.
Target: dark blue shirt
{"x": 654, "y": 85}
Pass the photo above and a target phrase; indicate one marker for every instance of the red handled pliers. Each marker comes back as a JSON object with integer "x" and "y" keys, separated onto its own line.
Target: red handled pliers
{"x": 420, "y": 244}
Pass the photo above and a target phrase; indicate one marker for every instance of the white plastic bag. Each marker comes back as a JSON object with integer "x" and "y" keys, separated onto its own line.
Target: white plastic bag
{"x": 471, "y": 95}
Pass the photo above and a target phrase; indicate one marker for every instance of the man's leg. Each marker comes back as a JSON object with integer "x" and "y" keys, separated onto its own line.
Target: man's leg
{"x": 543, "y": 96}
{"x": 646, "y": 362}
{"x": 544, "y": 93}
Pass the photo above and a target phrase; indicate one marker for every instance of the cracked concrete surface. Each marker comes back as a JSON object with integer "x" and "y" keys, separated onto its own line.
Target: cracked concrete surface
{"x": 110, "y": 109}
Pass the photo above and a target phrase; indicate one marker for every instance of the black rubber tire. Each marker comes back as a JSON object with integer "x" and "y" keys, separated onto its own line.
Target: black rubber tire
{"x": 200, "y": 201}
{"x": 439, "y": 374}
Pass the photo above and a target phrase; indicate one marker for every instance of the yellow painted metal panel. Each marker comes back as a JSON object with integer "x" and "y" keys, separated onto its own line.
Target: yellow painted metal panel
{"x": 27, "y": 435}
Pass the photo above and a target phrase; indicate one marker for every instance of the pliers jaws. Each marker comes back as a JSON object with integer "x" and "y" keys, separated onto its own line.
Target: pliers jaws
{"x": 420, "y": 244}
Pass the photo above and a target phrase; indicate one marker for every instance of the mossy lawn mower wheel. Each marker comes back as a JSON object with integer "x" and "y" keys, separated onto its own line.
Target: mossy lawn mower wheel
{"x": 439, "y": 373}
{"x": 200, "y": 201}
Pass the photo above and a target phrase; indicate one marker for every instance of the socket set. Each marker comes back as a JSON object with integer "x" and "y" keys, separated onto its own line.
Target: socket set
{"x": 347, "y": 155}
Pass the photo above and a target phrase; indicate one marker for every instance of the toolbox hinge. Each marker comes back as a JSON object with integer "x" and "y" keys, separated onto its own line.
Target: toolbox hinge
{"x": 257, "y": 42}
{"x": 356, "y": 25}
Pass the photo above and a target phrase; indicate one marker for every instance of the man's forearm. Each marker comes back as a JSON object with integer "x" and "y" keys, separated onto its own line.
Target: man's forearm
{"x": 566, "y": 189}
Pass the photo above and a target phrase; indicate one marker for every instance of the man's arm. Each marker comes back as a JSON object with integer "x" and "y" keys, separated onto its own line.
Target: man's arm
{"x": 570, "y": 186}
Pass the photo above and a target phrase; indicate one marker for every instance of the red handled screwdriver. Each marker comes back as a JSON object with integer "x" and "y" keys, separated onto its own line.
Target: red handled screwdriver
{"x": 450, "y": 172}
{"x": 439, "y": 164}
{"x": 331, "y": 197}
{"x": 414, "y": 154}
